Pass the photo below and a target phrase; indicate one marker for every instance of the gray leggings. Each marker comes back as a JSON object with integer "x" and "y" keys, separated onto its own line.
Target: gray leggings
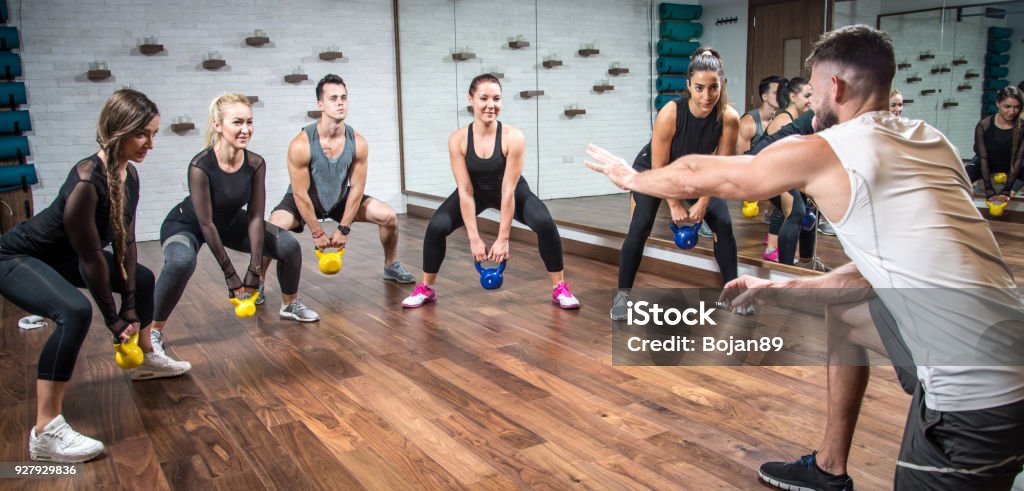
{"x": 180, "y": 252}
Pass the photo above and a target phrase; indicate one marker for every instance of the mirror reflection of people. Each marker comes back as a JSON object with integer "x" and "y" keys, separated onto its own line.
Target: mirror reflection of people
{"x": 896, "y": 102}
{"x": 753, "y": 122}
{"x": 998, "y": 148}
{"x": 487, "y": 160}
{"x": 965, "y": 424}
{"x": 45, "y": 260}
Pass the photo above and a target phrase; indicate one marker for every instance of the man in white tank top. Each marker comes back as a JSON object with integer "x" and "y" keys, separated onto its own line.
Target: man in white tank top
{"x": 927, "y": 284}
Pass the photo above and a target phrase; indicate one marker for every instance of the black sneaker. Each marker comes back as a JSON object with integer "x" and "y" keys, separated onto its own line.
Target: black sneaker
{"x": 803, "y": 475}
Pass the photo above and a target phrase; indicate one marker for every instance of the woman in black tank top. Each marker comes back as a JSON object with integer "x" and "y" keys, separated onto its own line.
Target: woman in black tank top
{"x": 998, "y": 147}
{"x": 795, "y": 96}
{"x": 47, "y": 259}
{"x": 702, "y": 122}
{"x": 487, "y": 160}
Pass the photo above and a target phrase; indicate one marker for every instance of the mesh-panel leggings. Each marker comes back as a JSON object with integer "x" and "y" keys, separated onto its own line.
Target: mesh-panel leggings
{"x": 640, "y": 226}
{"x": 181, "y": 248}
{"x": 52, "y": 291}
{"x": 530, "y": 210}
{"x": 790, "y": 229}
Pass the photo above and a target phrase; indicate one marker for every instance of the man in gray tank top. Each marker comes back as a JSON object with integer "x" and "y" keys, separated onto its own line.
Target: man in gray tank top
{"x": 753, "y": 122}
{"x": 327, "y": 164}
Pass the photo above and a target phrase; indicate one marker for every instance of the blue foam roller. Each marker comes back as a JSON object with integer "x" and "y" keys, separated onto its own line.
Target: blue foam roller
{"x": 15, "y": 89}
{"x": 676, "y": 48}
{"x": 9, "y": 38}
{"x": 15, "y": 122}
{"x": 663, "y": 99}
{"x": 999, "y": 32}
{"x": 10, "y": 146}
{"x": 670, "y": 84}
{"x": 11, "y": 176}
{"x": 993, "y": 59}
{"x": 998, "y": 45}
{"x": 680, "y": 31}
{"x": 12, "y": 62}
{"x": 677, "y": 65}
{"x": 989, "y": 97}
{"x": 995, "y": 84}
{"x": 678, "y": 11}
{"x": 996, "y": 71}
{"x": 988, "y": 109}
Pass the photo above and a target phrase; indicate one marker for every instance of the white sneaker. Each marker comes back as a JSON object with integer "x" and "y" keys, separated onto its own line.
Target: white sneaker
{"x": 159, "y": 365}
{"x": 60, "y": 443}
{"x": 156, "y": 338}
{"x": 297, "y": 311}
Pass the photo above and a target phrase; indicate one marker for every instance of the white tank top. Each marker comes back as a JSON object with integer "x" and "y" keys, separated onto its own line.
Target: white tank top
{"x": 914, "y": 233}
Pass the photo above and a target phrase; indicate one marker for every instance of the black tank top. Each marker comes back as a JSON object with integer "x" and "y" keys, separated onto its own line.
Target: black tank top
{"x": 693, "y": 135}
{"x": 229, "y": 192}
{"x": 998, "y": 143}
{"x": 45, "y": 235}
{"x": 485, "y": 174}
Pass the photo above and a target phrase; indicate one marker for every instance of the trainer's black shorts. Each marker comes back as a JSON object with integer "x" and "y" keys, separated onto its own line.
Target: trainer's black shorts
{"x": 288, "y": 204}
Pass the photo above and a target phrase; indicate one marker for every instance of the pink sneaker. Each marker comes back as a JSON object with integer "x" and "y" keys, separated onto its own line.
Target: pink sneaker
{"x": 422, "y": 295}
{"x": 563, "y": 297}
{"x": 772, "y": 255}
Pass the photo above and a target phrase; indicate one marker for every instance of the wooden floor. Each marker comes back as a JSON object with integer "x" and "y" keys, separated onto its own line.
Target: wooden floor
{"x": 611, "y": 213}
{"x": 484, "y": 390}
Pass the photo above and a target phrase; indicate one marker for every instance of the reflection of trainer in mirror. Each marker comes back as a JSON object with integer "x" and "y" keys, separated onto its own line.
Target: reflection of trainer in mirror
{"x": 752, "y": 122}
{"x": 327, "y": 163}
{"x": 878, "y": 176}
{"x": 487, "y": 160}
{"x": 700, "y": 122}
{"x": 998, "y": 147}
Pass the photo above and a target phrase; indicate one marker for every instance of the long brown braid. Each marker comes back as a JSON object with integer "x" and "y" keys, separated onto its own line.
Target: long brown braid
{"x": 125, "y": 114}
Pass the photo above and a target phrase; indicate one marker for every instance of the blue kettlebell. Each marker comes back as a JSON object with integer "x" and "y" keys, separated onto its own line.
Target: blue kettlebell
{"x": 490, "y": 278}
{"x": 686, "y": 236}
{"x": 810, "y": 220}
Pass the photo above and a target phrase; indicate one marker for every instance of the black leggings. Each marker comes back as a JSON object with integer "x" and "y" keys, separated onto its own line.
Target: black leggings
{"x": 181, "y": 243}
{"x": 530, "y": 210}
{"x": 640, "y": 226}
{"x": 790, "y": 229}
{"x": 51, "y": 291}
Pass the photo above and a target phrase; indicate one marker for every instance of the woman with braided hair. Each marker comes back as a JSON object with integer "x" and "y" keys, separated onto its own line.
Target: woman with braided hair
{"x": 44, "y": 261}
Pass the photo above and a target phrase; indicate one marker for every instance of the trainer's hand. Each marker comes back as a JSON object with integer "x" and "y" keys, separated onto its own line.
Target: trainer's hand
{"x": 739, "y": 294}
{"x": 339, "y": 240}
{"x": 323, "y": 242}
{"x": 608, "y": 164}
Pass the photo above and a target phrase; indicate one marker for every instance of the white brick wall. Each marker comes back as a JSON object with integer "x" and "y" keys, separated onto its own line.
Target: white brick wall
{"x": 731, "y": 41}
{"x": 61, "y": 37}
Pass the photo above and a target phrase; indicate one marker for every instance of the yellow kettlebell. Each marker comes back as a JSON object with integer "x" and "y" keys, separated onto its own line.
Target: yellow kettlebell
{"x": 128, "y": 355}
{"x": 996, "y": 209}
{"x": 750, "y": 209}
{"x": 999, "y": 178}
{"x": 246, "y": 307}
{"x": 330, "y": 262}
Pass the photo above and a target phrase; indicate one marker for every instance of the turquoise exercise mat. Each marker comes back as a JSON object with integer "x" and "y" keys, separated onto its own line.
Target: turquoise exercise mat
{"x": 670, "y": 84}
{"x": 680, "y": 31}
{"x": 10, "y": 61}
{"x": 989, "y": 109}
{"x": 10, "y": 146}
{"x": 16, "y": 89}
{"x": 999, "y": 32}
{"x": 989, "y": 97}
{"x": 15, "y": 122}
{"x": 9, "y": 38}
{"x": 678, "y": 11}
{"x": 11, "y": 176}
{"x": 998, "y": 45}
{"x": 995, "y": 84}
{"x": 672, "y": 64}
{"x": 676, "y": 48}
{"x": 994, "y": 59}
{"x": 996, "y": 71}
{"x": 662, "y": 99}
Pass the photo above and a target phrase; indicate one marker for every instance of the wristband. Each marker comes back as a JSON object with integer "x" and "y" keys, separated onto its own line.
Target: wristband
{"x": 317, "y": 235}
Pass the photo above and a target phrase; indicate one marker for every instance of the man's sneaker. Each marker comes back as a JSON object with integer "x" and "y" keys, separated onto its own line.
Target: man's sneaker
{"x": 563, "y": 297}
{"x": 767, "y": 217}
{"x": 156, "y": 338}
{"x": 422, "y": 295}
{"x": 296, "y": 311}
{"x": 705, "y": 231}
{"x": 618, "y": 312}
{"x": 260, "y": 299}
{"x": 60, "y": 443}
{"x": 159, "y": 365}
{"x": 826, "y": 228}
{"x": 803, "y": 475}
{"x": 396, "y": 272}
{"x": 771, "y": 255}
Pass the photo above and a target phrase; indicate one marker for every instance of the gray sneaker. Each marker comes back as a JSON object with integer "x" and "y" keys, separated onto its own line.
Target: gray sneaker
{"x": 396, "y": 272}
{"x": 156, "y": 338}
{"x": 826, "y": 228}
{"x": 296, "y": 311}
{"x": 260, "y": 299}
{"x": 705, "y": 231}
{"x": 618, "y": 312}
{"x": 159, "y": 365}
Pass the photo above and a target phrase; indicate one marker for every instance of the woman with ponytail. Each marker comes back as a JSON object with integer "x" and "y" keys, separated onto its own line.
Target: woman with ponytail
{"x": 225, "y": 209}
{"x": 44, "y": 262}
{"x": 701, "y": 122}
{"x": 997, "y": 146}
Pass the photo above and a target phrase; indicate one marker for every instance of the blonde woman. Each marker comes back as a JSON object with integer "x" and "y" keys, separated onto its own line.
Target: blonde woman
{"x": 224, "y": 209}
